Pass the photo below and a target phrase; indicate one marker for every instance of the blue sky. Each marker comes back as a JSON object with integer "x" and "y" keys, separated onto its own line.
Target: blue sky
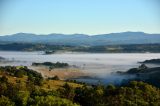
{"x": 79, "y": 16}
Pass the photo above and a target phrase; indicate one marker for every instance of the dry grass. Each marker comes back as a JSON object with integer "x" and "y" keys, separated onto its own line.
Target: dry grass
{"x": 56, "y": 84}
{"x": 47, "y": 84}
{"x": 62, "y": 73}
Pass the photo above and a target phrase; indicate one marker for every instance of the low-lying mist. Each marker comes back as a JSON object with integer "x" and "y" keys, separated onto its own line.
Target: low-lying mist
{"x": 101, "y": 66}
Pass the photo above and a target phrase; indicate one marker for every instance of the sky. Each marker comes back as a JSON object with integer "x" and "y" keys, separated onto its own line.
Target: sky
{"x": 79, "y": 16}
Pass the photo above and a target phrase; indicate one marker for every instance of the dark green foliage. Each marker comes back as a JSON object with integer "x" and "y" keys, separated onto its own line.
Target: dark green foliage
{"x": 21, "y": 98}
{"x": 127, "y": 48}
{"x": 38, "y": 81}
{"x": 141, "y": 69}
{"x": 67, "y": 92}
{"x": 19, "y": 73}
{"x": 32, "y": 95}
{"x": 31, "y": 47}
{"x": 3, "y": 79}
{"x": 152, "y": 61}
{"x": 132, "y": 94}
{"x": 146, "y": 74}
{"x": 52, "y": 65}
{"x": 13, "y": 96}
{"x": 135, "y": 94}
{"x": 33, "y": 76}
{"x": 4, "y": 101}
{"x": 15, "y": 46}
{"x": 89, "y": 96}
{"x": 50, "y": 101}
{"x": 3, "y": 88}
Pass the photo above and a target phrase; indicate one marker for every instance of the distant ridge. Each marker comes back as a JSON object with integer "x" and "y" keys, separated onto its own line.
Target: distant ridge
{"x": 84, "y": 39}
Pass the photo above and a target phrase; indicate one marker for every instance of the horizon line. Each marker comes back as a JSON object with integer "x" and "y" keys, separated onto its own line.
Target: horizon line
{"x": 76, "y": 33}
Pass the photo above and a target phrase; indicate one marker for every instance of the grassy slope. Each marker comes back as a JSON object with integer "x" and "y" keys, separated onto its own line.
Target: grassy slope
{"x": 47, "y": 84}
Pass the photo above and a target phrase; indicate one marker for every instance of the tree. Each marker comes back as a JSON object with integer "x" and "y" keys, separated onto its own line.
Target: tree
{"x": 4, "y": 101}
{"x": 143, "y": 67}
{"x": 3, "y": 88}
{"x": 38, "y": 81}
{"x": 4, "y": 79}
{"x": 67, "y": 91}
{"x": 19, "y": 73}
{"x": 21, "y": 98}
{"x": 51, "y": 101}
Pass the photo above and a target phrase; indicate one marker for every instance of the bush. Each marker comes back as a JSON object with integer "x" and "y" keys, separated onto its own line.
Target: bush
{"x": 4, "y": 79}
{"x": 4, "y": 101}
{"x": 19, "y": 73}
{"x": 51, "y": 101}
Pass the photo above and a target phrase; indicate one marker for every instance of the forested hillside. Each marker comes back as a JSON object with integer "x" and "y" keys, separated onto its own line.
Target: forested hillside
{"x": 21, "y": 86}
{"x": 49, "y": 49}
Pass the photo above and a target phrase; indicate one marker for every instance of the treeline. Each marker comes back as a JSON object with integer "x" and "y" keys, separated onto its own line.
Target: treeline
{"x": 152, "y": 61}
{"x": 132, "y": 48}
{"x": 28, "y": 94}
{"x": 144, "y": 73}
{"x": 21, "y": 71}
{"x": 52, "y": 65}
{"x": 133, "y": 94}
{"x": 30, "y": 47}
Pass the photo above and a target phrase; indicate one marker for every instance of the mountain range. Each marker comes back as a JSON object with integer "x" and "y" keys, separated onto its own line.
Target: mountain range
{"x": 83, "y": 39}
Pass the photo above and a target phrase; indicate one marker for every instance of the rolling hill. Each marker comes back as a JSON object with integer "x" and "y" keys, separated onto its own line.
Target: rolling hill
{"x": 84, "y": 40}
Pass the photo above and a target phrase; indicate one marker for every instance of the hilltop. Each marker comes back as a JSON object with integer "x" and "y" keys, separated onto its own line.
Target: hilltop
{"x": 83, "y": 39}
